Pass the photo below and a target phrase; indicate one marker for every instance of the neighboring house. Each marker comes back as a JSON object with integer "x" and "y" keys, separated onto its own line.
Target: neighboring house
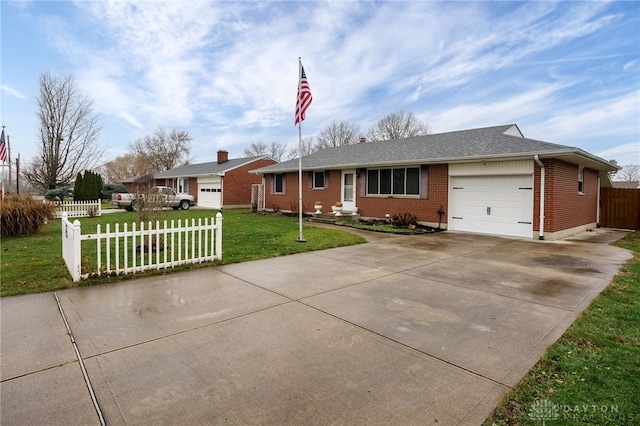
{"x": 629, "y": 184}
{"x": 138, "y": 182}
{"x": 222, "y": 183}
{"x": 485, "y": 180}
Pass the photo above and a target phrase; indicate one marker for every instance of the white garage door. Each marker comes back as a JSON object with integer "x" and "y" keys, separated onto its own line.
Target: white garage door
{"x": 499, "y": 205}
{"x": 210, "y": 195}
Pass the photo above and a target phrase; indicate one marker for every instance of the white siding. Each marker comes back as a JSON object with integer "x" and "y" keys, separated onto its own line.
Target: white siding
{"x": 209, "y": 179}
{"x": 492, "y": 168}
{"x": 513, "y": 131}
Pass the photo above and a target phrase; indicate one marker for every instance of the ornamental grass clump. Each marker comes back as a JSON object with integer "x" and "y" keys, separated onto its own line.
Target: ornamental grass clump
{"x": 404, "y": 220}
{"x": 22, "y": 215}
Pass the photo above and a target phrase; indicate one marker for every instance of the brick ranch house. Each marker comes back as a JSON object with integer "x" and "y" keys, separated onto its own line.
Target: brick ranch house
{"x": 225, "y": 183}
{"x": 487, "y": 180}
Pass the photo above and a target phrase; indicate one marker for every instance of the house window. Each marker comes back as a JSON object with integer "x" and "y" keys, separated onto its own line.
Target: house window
{"x": 413, "y": 181}
{"x": 398, "y": 181}
{"x": 278, "y": 183}
{"x": 182, "y": 185}
{"x": 581, "y": 180}
{"x": 318, "y": 180}
{"x": 372, "y": 181}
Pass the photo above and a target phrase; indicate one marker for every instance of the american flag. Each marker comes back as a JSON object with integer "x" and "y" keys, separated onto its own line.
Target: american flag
{"x": 3, "y": 148}
{"x": 304, "y": 96}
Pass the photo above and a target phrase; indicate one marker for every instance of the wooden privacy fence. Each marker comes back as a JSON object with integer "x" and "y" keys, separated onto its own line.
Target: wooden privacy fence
{"x": 620, "y": 208}
{"x": 128, "y": 250}
{"x": 77, "y": 208}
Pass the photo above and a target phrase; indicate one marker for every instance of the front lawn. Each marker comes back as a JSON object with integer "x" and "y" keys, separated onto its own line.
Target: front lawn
{"x": 33, "y": 263}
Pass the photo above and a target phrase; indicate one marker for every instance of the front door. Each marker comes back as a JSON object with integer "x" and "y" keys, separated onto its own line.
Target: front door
{"x": 348, "y": 190}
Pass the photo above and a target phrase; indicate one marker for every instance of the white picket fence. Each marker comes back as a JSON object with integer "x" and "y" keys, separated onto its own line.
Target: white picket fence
{"x": 77, "y": 208}
{"x": 138, "y": 248}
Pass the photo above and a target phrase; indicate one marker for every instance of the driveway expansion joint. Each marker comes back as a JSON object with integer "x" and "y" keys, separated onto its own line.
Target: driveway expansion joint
{"x": 94, "y": 400}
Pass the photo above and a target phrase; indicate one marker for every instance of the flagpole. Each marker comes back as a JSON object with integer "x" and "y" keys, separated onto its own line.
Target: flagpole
{"x": 9, "y": 161}
{"x": 300, "y": 236}
{"x": 4, "y": 147}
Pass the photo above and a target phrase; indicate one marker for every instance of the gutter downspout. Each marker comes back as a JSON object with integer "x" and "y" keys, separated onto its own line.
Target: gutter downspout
{"x": 542, "y": 179}
{"x": 221, "y": 191}
{"x": 221, "y": 175}
{"x": 598, "y": 203}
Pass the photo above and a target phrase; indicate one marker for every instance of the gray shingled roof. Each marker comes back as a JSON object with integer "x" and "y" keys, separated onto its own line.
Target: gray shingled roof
{"x": 474, "y": 144}
{"x": 205, "y": 169}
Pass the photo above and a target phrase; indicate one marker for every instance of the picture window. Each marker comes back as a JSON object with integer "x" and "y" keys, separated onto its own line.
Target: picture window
{"x": 396, "y": 181}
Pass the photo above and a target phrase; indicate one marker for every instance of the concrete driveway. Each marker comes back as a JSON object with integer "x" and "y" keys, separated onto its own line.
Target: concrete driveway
{"x": 401, "y": 330}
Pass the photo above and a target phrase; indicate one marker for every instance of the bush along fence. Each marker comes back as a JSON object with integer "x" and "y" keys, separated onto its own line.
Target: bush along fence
{"x": 90, "y": 208}
{"x": 139, "y": 248}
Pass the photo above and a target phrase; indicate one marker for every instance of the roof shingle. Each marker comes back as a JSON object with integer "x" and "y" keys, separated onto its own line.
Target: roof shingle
{"x": 205, "y": 169}
{"x": 483, "y": 143}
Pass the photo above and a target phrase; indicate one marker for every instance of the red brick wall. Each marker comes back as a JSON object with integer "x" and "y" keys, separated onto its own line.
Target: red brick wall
{"x": 564, "y": 207}
{"x": 193, "y": 187}
{"x": 237, "y": 183}
{"x": 425, "y": 209}
{"x": 289, "y": 199}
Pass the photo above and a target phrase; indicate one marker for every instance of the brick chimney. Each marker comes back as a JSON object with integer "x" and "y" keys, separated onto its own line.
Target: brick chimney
{"x": 223, "y": 156}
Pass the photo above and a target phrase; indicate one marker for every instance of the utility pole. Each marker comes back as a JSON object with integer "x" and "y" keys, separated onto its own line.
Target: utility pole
{"x": 18, "y": 174}
{"x": 3, "y": 148}
{"x": 9, "y": 160}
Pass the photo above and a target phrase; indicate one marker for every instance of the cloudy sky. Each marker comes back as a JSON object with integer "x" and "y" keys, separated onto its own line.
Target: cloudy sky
{"x": 227, "y": 72}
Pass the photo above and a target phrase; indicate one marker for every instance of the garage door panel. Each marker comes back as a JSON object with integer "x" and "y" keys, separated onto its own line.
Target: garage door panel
{"x": 500, "y": 205}
{"x": 210, "y": 195}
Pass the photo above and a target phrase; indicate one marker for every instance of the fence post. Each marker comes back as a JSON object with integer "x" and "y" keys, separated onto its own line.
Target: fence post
{"x": 76, "y": 251}
{"x": 71, "y": 235}
{"x": 219, "y": 235}
{"x": 63, "y": 235}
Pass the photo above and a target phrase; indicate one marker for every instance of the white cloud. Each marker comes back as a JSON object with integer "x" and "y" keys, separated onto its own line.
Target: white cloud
{"x": 600, "y": 118}
{"x": 227, "y": 71}
{"x": 628, "y": 153}
{"x": 507, "y": 110}
{"x": 13, "y": 92}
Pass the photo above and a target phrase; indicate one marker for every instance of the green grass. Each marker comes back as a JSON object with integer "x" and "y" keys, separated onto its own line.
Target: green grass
{"x": 591, "y": 375}
{"x": 33, "y": 263}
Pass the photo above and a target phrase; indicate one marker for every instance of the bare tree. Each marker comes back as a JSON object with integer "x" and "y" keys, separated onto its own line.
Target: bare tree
{"x": 275, "y": 150}
{"x": 68, "y": 134}
{"x": 122, "y": 167}
{"x": 163, "y": 151}
{"x": 629, "y": 173}
{"x": 338, "y": 133}
{"x": 256, "y": 149}
{"x": 398, "y": 125}
{"x": 308, "y": 147}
